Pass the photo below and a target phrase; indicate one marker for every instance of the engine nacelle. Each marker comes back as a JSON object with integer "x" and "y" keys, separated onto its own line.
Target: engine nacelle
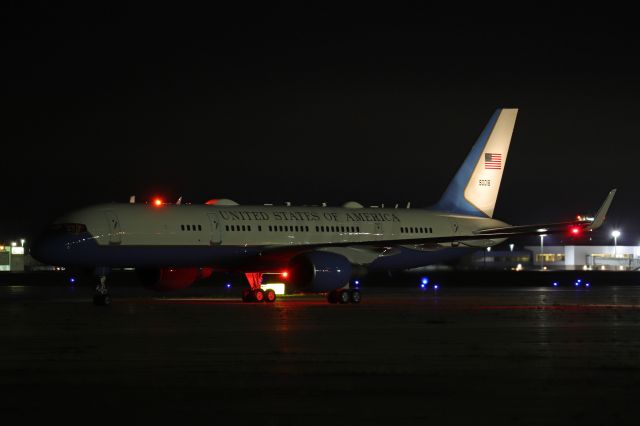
{"x": 319, "y": 271}
{"x": 168, "y": 279}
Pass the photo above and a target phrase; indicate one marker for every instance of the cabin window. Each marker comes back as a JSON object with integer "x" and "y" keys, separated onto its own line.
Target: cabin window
{"x": 249, "y": 228}
{"x": 226, "y": 227}
{"x": 431, "y": 230}
{"x": 259, "y": 228}
{"x": 182, "y": 227}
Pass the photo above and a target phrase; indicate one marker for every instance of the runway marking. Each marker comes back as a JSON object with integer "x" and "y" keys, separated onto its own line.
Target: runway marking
{"x": 557, "y": 307}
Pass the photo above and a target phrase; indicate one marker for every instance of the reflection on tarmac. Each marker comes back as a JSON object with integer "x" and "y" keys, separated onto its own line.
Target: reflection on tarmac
{"x": 459, "y": 355}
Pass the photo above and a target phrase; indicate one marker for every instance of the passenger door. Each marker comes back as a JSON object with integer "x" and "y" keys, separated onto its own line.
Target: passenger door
{"x": 216, "y": 231}
{"x": 115, "y": 231}
{"x": 378, "y": 231}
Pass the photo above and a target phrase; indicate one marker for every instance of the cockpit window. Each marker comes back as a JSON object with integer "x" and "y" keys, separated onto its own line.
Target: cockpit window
{"x": 71, "y": 228}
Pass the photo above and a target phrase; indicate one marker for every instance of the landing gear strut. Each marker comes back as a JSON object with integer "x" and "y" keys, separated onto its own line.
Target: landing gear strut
{"x": 344, "y": 295}
{"x": 102, "y": 297}
{"x": 255, "y": 293}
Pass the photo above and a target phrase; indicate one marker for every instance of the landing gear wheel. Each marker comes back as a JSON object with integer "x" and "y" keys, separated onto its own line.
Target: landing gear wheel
{"x": 258, "y": 295}
{"x": 332, "y": 297}
{"x": 102, "y": 300}
{"x": 270, "y": 296}
{"x": 355, "y": 296}
{"x": 344, "y": 297}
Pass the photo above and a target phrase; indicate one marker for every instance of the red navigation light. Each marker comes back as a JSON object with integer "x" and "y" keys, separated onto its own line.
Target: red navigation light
{"x": 157, "y": 202}
{"x": 285, "y": 274}
{"x": 575, "y": 230}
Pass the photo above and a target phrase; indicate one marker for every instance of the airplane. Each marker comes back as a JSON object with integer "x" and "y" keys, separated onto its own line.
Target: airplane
{"x": 320, "y": 248}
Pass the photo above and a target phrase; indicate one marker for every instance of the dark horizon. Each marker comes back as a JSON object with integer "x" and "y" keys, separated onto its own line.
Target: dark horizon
{"x": 301, "y": 106}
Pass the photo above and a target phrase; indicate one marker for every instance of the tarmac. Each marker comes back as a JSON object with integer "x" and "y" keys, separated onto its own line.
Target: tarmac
{"x": 457, "y": 355}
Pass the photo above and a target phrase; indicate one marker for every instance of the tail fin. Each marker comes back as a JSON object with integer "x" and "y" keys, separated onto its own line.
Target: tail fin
{"x": 474, "y": 189}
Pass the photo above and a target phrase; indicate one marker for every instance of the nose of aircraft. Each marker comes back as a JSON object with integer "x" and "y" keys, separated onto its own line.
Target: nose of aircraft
{"x": 64, "y": 244}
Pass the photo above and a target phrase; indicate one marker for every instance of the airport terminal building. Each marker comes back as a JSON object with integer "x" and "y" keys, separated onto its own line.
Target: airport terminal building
{"x": 11, "y": 257}
{"x": 569, "y": 257}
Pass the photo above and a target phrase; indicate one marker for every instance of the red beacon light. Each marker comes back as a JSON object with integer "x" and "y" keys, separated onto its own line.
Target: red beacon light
{"x": 157, "y": 202}
{"x": 575, "y": 231}
{"x": 285, "y": 274}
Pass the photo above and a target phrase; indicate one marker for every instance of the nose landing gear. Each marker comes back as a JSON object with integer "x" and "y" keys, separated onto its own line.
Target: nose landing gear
{"x": 102, "y": 298}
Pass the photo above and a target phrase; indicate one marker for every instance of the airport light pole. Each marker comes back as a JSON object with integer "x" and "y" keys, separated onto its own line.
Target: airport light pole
{"x": 13, "y": 244}
{"x": 485, "y": 257}
{"x": 541, "y": 250}
{"x": 615, "y": 234}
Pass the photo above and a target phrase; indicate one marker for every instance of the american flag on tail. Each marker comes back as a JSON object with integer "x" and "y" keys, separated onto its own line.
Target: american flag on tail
{"x": 493, "y": 161}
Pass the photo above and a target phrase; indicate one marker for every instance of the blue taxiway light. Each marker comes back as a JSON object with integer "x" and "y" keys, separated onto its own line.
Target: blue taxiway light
{"x": 587, "y": 285}
{"x": 555, "y": 284}
{"x": 72, "y": 280}
{"x": 435, "y": 287}
{"x": 228, "y": 285}
{"x": 424, "y": 280}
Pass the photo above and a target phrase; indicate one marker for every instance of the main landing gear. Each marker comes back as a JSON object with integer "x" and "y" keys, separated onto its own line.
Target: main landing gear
{"x": 258, "y": 295}
{"x": 255, "y": 293}
{"x": 344, "y": 295}
{"x": 102, "y": 297}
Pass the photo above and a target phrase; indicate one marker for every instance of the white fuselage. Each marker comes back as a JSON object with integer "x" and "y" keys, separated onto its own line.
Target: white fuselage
{"x": 146, "y": 225}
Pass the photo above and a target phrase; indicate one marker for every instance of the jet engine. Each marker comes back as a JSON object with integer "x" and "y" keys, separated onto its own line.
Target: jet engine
{"x": 319, "y": 271}
{"x": 168, "y": 279}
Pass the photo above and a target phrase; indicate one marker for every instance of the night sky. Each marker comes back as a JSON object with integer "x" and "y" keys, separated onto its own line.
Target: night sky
{"x": 312, "y": 105}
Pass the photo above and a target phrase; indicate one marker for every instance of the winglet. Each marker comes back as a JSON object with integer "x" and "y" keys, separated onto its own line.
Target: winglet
{"x": 602, "y": 213}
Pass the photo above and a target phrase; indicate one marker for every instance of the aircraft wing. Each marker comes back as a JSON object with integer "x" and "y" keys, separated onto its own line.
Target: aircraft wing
{"x": 575, "y": 226}
{"x": 554, "y": 228}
